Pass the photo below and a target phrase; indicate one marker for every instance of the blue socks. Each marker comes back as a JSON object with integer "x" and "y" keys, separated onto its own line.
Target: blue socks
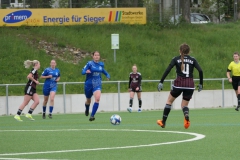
{"x": 94, "y": 109}
{"x": 50, "y": 109}
{"x": 44, "y": 109}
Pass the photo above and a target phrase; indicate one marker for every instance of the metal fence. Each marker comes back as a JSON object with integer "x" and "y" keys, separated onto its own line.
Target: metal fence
{"x": 157, "y": 10}
{"x": 113, "y": 82}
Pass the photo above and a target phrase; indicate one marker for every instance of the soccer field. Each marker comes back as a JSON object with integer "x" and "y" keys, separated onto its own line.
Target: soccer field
{"x": 213, "y": 134}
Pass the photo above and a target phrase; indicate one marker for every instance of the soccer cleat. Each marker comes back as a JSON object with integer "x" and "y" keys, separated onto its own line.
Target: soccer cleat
{"x": 50, "y": 116}
{"x": 17, "y": 117}
{"x": 44, "y": 116}
{"x": 29, "y": 116}
{"x": 237, "y": 108}
{"x": 139, "y": 110}
{"x": 86, "y": 112}
{"x": 161, "y": 123}
{"x": 91, "y": 118}
{"x": 186, "y": 121}
{"x": 129, "y": 109}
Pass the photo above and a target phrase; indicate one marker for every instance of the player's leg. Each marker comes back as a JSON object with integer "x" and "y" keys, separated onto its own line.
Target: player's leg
{"x": 235, "y": 87}
{"x": 187, "y": 95}
{"x": 97, "y": 95}
{"x": 238, "y": 96}
{"x": 139, "y": 101}
{"x": 175, "y": 92}
{"x": 26, "y": 100}
{"x": 35, "y": 99}
{"x": 52, "y": 96}
{"x": 132, "y": 93}
{"x": 46, "y": 93}
{"x": 88, "y": 94}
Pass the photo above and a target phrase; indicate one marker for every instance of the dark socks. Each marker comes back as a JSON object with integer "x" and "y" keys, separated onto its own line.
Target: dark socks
{"x": 94, "y": 109}
{"x": 87, "y": 106}
{"x": 44, "y": 109}
{"x": 19, "y": 112}
{"x": 30, "y": 111}
{"x": 238, "y": 97}
{"x": 139, "y": 103}
{"x": 130, "y": 102}
{"x": 185, "y": 110}
{"x": 166, "y": 111}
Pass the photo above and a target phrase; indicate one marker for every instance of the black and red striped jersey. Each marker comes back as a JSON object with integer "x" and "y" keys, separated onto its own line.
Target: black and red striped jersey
{"x": 189, "y": 64}
{"x": 35, "y": 76}
{"x": 134, "y": 80}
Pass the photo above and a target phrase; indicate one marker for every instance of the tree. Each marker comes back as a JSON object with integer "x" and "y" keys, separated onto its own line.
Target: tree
{"x": 186, "y": 10}
{"x": 127, "y": 3}
{"x": 39, "y": 3}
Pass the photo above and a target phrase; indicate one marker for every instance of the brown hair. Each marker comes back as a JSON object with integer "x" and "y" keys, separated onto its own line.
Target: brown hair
{"x": 94, "y": 52}
{"x": 236, "y": 53}
{"x": 184, "y": 49}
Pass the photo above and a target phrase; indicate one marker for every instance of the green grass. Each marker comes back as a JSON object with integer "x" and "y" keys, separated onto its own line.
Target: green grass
{"x": 151, "y": 47}
{"x": 85, "y": 139}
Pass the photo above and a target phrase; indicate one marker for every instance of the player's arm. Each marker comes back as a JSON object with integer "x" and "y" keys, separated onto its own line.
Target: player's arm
{"x": 45, "y": 74}
{"x": 170, "y": 66}
{"x": 130, "y": 80}
{"x": 229, "y": 70}
{"x": 139, "y": 80}
{"x": 58, "y": 78}
{"x": 86, "y": 69}
{"x": 106, "y": 73}
{"x": 30, "y": 77}
{"x": 197, "y": 66}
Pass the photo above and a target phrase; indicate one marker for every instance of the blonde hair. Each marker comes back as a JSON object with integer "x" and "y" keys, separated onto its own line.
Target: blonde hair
{"x": 29, "y": 63}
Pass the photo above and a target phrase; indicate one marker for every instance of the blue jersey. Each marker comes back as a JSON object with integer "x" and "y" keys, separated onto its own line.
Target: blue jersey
{"x": 94, "y": 78}
{"x": 51, "y": 82}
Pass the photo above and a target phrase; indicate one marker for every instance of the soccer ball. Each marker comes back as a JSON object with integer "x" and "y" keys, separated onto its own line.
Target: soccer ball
{"x": 115, "y": 119}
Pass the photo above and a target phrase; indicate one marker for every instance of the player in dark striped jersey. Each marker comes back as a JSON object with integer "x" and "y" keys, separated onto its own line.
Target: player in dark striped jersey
{"x": 135, "y": 86}
{"x": 30, "y": 90}
{"x": 182, "y": 84}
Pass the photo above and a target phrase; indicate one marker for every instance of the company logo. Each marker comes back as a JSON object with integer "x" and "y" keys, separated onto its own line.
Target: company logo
{"x": 17, "y": 16}
{"x": 115, "y": 16}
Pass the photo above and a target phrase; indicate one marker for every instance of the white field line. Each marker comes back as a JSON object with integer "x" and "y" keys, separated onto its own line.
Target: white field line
{"x": 197, "y": 137}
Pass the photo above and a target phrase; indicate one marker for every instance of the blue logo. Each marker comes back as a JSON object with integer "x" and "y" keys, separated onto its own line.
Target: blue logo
{"x": 17, "y": 16}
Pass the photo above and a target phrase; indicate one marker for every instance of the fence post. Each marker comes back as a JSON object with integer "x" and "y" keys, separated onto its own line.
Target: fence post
{"x": 222, "y": 92}
{"x": 119, "y": 96}
{"x": 7, "y": 109}
{"x": 64, "y": 97}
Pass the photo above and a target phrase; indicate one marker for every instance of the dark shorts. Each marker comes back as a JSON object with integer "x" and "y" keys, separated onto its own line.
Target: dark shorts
{"x": 187, "y": 93}
{"x": 235, "y": 82}
{"x": 89, "y": 90}
{"x": 29, "y": 90}
{"x": 134, "y": 89}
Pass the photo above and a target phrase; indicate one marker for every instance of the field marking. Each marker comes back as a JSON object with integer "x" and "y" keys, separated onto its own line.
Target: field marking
{"x": 197, "y": 137}
{"x": 27, "y": 159}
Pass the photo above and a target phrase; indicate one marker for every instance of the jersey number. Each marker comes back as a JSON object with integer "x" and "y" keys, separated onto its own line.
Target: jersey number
{"x": 186, "y": 70}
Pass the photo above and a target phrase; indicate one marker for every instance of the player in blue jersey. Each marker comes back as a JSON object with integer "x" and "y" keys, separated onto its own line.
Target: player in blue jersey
{"x": 93, "y": 83}
{"x": 51, "y": 76}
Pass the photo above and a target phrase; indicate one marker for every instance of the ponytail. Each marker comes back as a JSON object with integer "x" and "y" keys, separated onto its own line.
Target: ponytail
{"x": 29, "y": 63}
{"x": 184, "y": 50}
{"x": 182, "y": 59}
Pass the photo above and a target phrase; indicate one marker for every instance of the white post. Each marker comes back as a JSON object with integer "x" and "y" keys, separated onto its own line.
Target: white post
{"x": 114, "y": 44}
